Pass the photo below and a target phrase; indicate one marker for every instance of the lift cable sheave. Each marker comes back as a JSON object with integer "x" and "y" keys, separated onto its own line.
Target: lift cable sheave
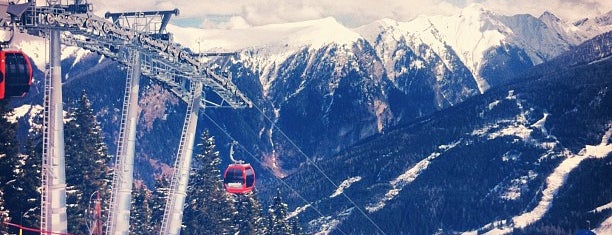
{"x": 168, "y": 61}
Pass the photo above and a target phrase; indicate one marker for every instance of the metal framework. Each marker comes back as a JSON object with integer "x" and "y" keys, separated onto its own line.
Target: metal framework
{"x": 173, "y": 212}
{"x": 145, "y": 48}
{"x": 123, "y": 177}
{"x": 53, "y": 195}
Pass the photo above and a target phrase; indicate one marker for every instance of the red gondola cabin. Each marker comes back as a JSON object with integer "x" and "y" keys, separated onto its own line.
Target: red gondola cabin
{"x": 16, "y": 77}
{"x": 239, "y": 178}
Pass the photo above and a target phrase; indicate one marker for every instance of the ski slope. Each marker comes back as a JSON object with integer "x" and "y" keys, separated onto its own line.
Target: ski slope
{"x": 553, "y": 183}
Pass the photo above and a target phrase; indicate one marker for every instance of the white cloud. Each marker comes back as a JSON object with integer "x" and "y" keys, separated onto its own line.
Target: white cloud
{"x": 241, "y": 13}
{"x": 234, "y": 22}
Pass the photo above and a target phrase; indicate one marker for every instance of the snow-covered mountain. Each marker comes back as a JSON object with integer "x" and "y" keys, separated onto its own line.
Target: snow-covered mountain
{"x": 390, "y": 71}
{"x": 531, "y": 157}
{"x": 327, "y": 86}
{"x": 591, "y": 27}
{"x": 489, "y": 45}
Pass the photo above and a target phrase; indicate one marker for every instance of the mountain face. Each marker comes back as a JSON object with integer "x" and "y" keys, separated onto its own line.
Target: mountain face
{"x": 591, "y": 27}
{"x": 385, "y": 73}
{"x": 324, "y": 86}
{"x": 531, "y": 157}
{"x": 425, "y": 106}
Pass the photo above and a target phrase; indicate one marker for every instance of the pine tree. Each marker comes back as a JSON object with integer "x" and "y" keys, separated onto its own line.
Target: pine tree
{"x": 208, "y": 208}
{"x": 277, "y": 218}
{"x": 9, "y": 147}
{"x": 24, "y": 190}
{"x": 9, "y": 154}
{"x": 295, "y": 225}
{"x": 86, "y": 158}
{"x": 249, "y": 218}
{"x": 140, "y": 216}
{"x": 158, "y": 201}
{"x": 4, "y": 215}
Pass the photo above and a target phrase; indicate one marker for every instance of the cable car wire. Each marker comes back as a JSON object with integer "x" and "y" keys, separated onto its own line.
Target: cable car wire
{"x": 317, "y": 167}
{"x": 261, "y": 163}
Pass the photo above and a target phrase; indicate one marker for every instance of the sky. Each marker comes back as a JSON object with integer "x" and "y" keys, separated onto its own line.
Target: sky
{"x": 228, "y": 14}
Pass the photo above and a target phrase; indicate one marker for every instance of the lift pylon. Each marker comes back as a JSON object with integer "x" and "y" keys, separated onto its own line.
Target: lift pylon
{"x": 123, "y": 177}
{"x": 160, "y": 59}
{"x": 173, "y": 213}
{"x": 53, "y": 195}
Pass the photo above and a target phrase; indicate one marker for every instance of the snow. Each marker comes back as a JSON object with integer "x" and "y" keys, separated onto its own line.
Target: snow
{"x": 313, "y": 33}
{"x": 266, "y": 48}
{"x": 510, "y": 156}
{"x": 605, "y": 227}
{"x": 469, "y": 35}
{"x": 297, "y": 211}
{"x": 566, "y": 30}
{"x": 517, "y": 126}
{"x": 417, "y": 64}
{"x": 540, "y": 124}
{"x": 601, "y": 208}
{"x": 446, "y": 147}
{"x": 38, "y": 50}
{"x": 594, "y": 26}
{"x": 408, "y": 177}
{"x": 326, "y": 224}
{"x": 517, "y": 130}
{"x": 493, "y": 104}
{"x": 600, "y": 60}
{"x": 553, "y": 183}
{"x": 344, "y": 185}
{"x": 514, "y": 191}
{"x": 22, "y": 111}
{"x": 18, "y": 113}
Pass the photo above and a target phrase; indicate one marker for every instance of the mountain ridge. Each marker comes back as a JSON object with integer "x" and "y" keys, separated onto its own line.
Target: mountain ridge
{"x": 328, "y": 95}
{"x": 507, "y": 143}
{"x": 386, "y": 73}
{"x": 440, "y": 109}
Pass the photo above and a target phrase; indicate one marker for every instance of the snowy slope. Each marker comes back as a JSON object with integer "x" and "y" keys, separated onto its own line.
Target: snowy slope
{"x": 474, "y": 33}
{"x": 396, "y": 70}
{"x": 263, "y": 48}
{"x": 472, "y": 36}
{"x": 38, "y": 50}
{"x": 313, "y": 33}
{"x": 499, "y": 162}
{"x": 553, "y": 183}
{"x": 569, "y": 32}
{"x": 592, "y": 27}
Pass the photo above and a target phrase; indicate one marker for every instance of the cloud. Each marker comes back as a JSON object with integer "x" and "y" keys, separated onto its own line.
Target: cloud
{"x": 234, "y": 22}
{"x": 243, "y": 13}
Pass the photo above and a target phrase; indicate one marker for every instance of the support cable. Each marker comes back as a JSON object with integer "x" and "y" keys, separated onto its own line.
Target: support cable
{"x": 41, "y": 231}
{"x": 309, "y": 160}
{"x": 261, "y": 163}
